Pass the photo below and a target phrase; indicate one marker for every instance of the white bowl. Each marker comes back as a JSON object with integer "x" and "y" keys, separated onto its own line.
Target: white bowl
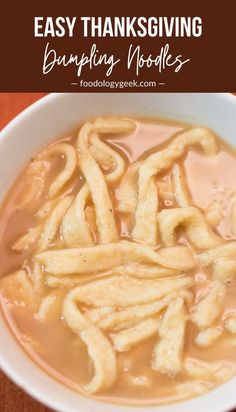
{"x": 51, "y": 117}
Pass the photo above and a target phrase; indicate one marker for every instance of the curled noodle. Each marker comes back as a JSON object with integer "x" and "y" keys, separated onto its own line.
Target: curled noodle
{"x": 75, "y": 228}
{"x": 95, "y": 179}
{"x": 68, "y": 152}
{"x": 99, "y": 348}
{"x": 193, "y": 223}
{"x": 147, "y": 205}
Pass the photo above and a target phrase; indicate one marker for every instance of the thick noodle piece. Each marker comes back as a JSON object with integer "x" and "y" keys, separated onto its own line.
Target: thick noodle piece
{"x": 167, "y": 356}
{"x": 99, "y": 347}
{"x": 126, "y": 339}
{"x": 120, "y": 319}
{"x": 71, "y": 280}
{"x": 208, "y": 336}
{"x": 163, "y": 159}
{"x": 97, "y": 185}
{"x": 117, "y": 320}
{"x": 156, "y": 163}
{"x": 104, "y": 257}
{"x": 109, "y": 125}
{"x": 90, "y": 216}
{"x": 95, "y": 179}
{"x": 193, "y": 223}
{"x": 146, "y": 230}
{"x": 107, "y": 158}
{"x": 224, "y": 269}
{"x": 176, "y": 254}
{"x": 214, "y": 213}
{"x": 97, "y": 314}
{"x": 134, "y": 270}
{"x": 180, "y": 189}
{"x": 230, "y": 323}
{"x": 45, "y": 307}
{"x": 122, "y": 291}
{"x": 208, "y": 309}
{"x": 137, "y": 270}
{"x": 66, "y": 281}
{"x": 53, "y": 221}
{"x": 94, "y": 176}
{"x": 126, "y": 194}
{"x": 75, "y": 229}
{"x": 45, "y": 209}
{"x": 226, "y": 250}
{"x": 68, "y": 152}
{"x": 38, "y": 277}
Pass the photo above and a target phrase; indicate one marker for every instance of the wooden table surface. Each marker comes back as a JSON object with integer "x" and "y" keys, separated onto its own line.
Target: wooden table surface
{"x": 13, "y": 399}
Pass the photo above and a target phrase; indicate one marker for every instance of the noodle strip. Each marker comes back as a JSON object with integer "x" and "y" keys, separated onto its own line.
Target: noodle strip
{"x": 180, "y": 188}
{"x": 226, "y": 250}
{"x": 131, "y": 291}
{"x": 53, "y": 221}
{"x": 194, "y": 224}
{"x": 168, "y": 352}
{"x": 126, "y": 193}
{"x": 137, "y": 270}
{"x": 99, "y": 347}
{"x": 107, "y": 158}
{"x": 126, "y": 339}
{"x": 75, "y": 228}
{"x": 208, "y": 309}
{"x": 122, "y": 318}
{"x": 146, "y": 210}
{"x": 104, "y": 257}
{"x": 94, "y": 177}
{"x": 68, "y": 152}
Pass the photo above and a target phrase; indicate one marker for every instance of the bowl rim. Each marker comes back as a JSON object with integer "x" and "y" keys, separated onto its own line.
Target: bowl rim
{"x": 12, "y": 373}
{"x": 50, "y": 97}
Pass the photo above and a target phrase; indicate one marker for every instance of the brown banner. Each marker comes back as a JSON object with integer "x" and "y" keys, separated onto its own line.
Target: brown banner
{"x": 172, "y": 46}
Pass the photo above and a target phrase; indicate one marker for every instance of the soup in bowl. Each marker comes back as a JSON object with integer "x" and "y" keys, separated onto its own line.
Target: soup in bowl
{"x": 118, "y": 252}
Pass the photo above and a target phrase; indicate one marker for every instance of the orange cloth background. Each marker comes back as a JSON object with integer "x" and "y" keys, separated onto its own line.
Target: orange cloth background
{"x": 13, "y": 103}
{"x": 12, "y": 398}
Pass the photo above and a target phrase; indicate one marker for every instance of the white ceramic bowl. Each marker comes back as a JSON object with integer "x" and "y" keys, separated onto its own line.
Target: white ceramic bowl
{"x": 51, "y": 117}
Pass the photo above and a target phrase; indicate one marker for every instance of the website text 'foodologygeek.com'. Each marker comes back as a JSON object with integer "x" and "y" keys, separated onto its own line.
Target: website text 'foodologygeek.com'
{"x": 116, "y": 84}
